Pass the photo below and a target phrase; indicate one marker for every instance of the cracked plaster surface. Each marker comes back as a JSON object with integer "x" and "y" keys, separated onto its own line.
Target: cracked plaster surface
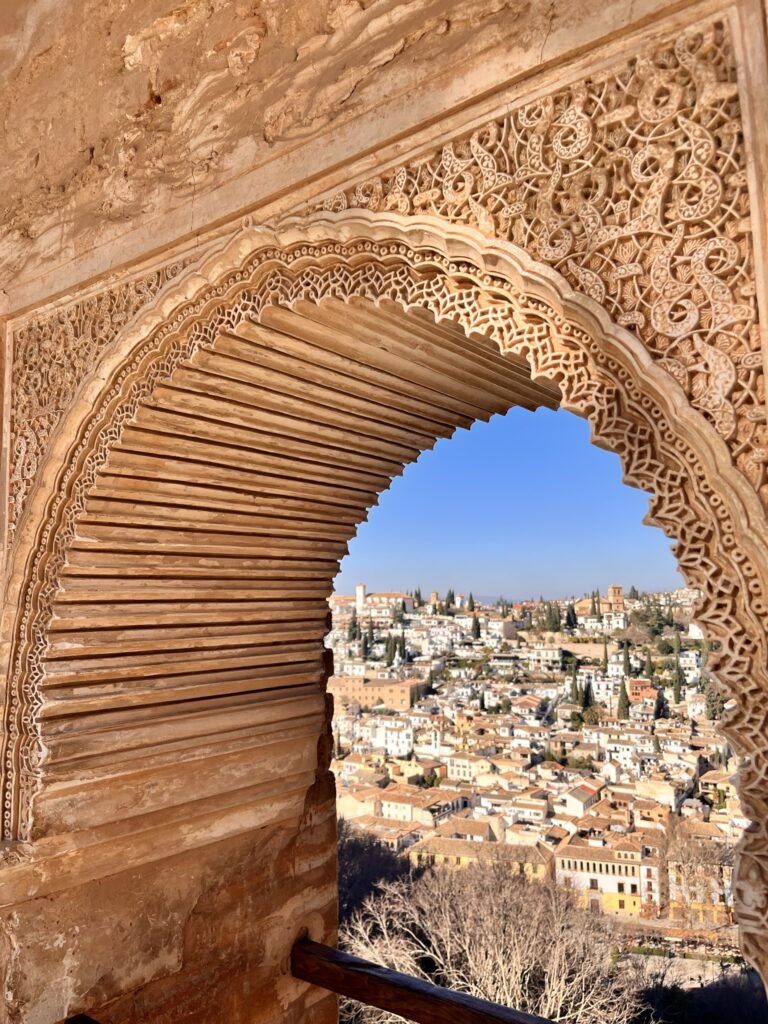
{"x": 115, "y": 110}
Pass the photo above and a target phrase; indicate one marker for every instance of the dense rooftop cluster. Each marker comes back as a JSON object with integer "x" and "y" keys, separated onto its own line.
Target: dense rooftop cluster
{"x": 575, "y": 739}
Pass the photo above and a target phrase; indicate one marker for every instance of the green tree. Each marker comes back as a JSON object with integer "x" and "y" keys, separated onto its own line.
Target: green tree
{"x": 678, "y": 680}
{"x": 574, "y": 682}
{"x": 627, "y": 663}
{"x": 365, "y": 649}
{"x": 593, "y": 604}
{"x": 353, "y": 630}
{"x": 660, "y": 705}
{"x": 591, "y": 716}
{"x": 715, "y": 702}
{"x": 576, "y": 720}
{"x": 604, "y": 663}
{"x": 633, "y": 594}
{"x": 417, "y": 598}
{"x": 470, "y": 602}
{"x": 475, "y": 628}
{"x": 369, "y": 632}
{"x": 391, "y": 648}
{"x": 401, "y": 648}
{"x": 586, "y": 698}
{"x": 571, "y": 619}
{"x": 450, "y": 599}
{"x": 649, "y": 669}
{"x": 622, "y": 710}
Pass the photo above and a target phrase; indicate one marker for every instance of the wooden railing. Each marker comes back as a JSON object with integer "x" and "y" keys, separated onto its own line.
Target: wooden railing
{"x": 378, "y": 986}
{"x": 399, "y": 993}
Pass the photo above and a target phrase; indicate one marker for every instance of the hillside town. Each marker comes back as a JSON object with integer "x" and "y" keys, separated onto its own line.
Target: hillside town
{"x": 575, "y": 739}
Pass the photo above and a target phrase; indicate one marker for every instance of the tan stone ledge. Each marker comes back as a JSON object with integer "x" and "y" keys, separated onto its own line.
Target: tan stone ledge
{"x": 50, "y": 865}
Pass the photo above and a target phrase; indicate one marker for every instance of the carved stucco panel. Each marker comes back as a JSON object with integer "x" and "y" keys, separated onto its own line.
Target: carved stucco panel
{"x": 52, "y": 353}
{"x": 632, "y": 184}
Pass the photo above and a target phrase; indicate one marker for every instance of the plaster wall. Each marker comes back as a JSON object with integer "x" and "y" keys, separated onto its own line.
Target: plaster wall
{"x": 133, "y": 127}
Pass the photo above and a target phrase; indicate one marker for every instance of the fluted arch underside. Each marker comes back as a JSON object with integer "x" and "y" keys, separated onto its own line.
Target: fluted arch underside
{"x": 243, "y": 425}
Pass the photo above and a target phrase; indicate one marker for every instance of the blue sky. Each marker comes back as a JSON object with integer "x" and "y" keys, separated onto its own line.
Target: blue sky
{"x": 523, "y": 505}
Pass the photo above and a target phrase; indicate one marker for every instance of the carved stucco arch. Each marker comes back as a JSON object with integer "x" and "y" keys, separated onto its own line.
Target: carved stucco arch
{"x": 604, "y": 372}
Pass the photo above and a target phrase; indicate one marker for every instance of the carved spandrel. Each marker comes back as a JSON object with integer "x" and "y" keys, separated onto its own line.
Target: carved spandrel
{"x": 52, "y": 354}
{"x": 633, "y": 185}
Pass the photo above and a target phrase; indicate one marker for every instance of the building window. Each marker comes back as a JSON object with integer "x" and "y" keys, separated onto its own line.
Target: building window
{"x": 593, "y": 883}
{"x": 621, "y": 904}
{"x": 634, "y": 889}
{"x": 621, "y": 887}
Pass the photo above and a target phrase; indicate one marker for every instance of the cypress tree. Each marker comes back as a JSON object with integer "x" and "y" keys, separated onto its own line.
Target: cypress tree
{"x": 402, "y": 650}
{"x": 391, "y": 649}
{"x": 371, "y": 639}
{"x": 658, "y": 709}
{"x": 604, "y": 664}
{"x": 470, "y": 602}
{"x": 475, "y": 628}
{"x": 417, "y": 600}
{"x": 627, "y": 663}
{"x": 586, "y": 698}
{"x": 365, "y": 647}
{"x": 574, "y": 682}
{"x": 633, "y": 594}
{"x": 571, "y": 619}
{"x": 622, "y": 710}
{"x": 679, "y": 679}
{"x": 593, "y": 605}
{"x": 352, "y": 628}
{"x": 650, "y": 668}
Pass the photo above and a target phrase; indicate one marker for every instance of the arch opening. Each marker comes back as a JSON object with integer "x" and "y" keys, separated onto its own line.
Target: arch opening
{"x": 464, "y": 729}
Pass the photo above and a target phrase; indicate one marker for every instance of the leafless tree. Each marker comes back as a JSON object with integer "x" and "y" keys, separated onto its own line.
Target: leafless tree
{"x": 697, "y": 871}
{"x": 483, "y": 931}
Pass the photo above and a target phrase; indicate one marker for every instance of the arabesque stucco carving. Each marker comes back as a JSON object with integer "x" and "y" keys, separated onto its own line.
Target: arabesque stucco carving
{"x": 633, "y": 184}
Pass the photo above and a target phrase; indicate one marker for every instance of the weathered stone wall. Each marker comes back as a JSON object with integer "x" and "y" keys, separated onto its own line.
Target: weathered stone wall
{"x": 202, "y": 936}
{"x": 129, "y": 127}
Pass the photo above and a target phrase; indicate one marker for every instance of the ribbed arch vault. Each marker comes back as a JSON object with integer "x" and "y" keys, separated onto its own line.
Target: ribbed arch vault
{"x": 173, "y": 577}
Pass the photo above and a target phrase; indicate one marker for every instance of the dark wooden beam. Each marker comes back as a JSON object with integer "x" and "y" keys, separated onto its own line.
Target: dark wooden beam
{"x": 399, "y": 993}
